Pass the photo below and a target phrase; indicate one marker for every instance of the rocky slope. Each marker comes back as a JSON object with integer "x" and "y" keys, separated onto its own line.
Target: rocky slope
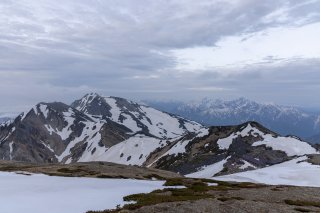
{"x": 228, "y": 149}
{"x": 282, "y": 119}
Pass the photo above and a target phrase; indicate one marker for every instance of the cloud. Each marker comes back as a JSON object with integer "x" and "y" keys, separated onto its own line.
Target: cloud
{"x": 269, "y": 46}
{"x": 62, "y": 49}
{"x": 208, "y": 89}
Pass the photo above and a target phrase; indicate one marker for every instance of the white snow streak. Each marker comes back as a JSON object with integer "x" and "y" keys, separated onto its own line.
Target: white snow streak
{"x": 246, "y": 165}
{"x": 44, "y": 110}
{"x": 10, "y": 150}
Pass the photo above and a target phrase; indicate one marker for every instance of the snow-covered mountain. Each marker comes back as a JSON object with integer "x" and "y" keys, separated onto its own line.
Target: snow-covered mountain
{"x": 92, "y": 128}
{"x": 227, "y": 150}
{"x": 282, "y": 119}
{"x": 113, "y": 129}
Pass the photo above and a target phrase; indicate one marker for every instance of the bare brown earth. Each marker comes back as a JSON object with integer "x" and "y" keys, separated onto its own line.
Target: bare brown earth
{"x": 91, "y": 169}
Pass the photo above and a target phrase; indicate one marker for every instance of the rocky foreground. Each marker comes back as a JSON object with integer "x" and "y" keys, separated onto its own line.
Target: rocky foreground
{"x": 179, "y": 194}
{"x": 200, "y": 196}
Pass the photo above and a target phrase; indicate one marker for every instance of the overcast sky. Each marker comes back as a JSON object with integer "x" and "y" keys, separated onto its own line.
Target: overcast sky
{"x": 159, "y": 49}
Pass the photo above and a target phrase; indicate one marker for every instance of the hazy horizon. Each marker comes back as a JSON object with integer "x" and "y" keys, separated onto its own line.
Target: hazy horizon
{"x": 12, "y": 112}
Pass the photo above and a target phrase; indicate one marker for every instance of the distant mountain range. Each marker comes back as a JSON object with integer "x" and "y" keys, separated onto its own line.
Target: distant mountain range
{"x": 4, "y": 118}
{"x": 281, "y": 119}
{"x": 112, "y": 129}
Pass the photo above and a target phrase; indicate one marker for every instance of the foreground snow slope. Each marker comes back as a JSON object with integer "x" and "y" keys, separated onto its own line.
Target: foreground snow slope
{"x": 294, "y": 172}
{"x": 41, "y": 193}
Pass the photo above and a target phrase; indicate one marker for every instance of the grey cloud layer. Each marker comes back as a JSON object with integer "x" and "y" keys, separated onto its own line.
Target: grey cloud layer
{"x": 65, "y": 48}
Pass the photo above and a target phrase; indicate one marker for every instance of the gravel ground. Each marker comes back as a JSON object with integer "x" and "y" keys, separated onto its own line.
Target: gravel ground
{"x": 270, "y": 199}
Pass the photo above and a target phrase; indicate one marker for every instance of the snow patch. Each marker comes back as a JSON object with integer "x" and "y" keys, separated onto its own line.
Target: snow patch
{"x": 208, "y": 171}
{"x": 35, "y": 193}
{"x": 293, "y": 172}
{"x": 66, "y": 131}
{"x": 10, "y": 150}
{"x": 246, "y": 165}
{"x": 48, "y": 146}
{"x": 44, "y": 110}
{"x": 88, "y": 135}
{"x": 179, "y": 147}
{"x": 291, "y": 146}
{"x": 133, "y": 151}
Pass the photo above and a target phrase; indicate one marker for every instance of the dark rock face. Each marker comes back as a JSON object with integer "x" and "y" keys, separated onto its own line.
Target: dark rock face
{"x": 34, "y": 136}
{"x": 94, "y": 105}
{"x": 113, "y": 133}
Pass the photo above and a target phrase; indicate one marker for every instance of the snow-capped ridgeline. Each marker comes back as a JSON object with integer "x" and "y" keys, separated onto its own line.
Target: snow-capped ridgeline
{"x": 7, "y": 117}
{"x": 251, "y": 144}
{"x": 224, "y": 143}
{"x": 134, "y": 116}
{"x": 290, "y": 145}
{"x": 241, "y": 106}
{"x": 151, "y": 129}
{"x": 6, "y": 122}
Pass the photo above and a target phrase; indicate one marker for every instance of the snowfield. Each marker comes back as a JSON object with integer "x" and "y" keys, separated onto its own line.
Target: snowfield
{"x": 293, "y": 172}
{"x": 289, "y": 145}
{"x": 40, "y": 193}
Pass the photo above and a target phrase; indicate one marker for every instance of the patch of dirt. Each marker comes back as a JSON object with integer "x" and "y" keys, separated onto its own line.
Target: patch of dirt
{"x": 314, "y": 159}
